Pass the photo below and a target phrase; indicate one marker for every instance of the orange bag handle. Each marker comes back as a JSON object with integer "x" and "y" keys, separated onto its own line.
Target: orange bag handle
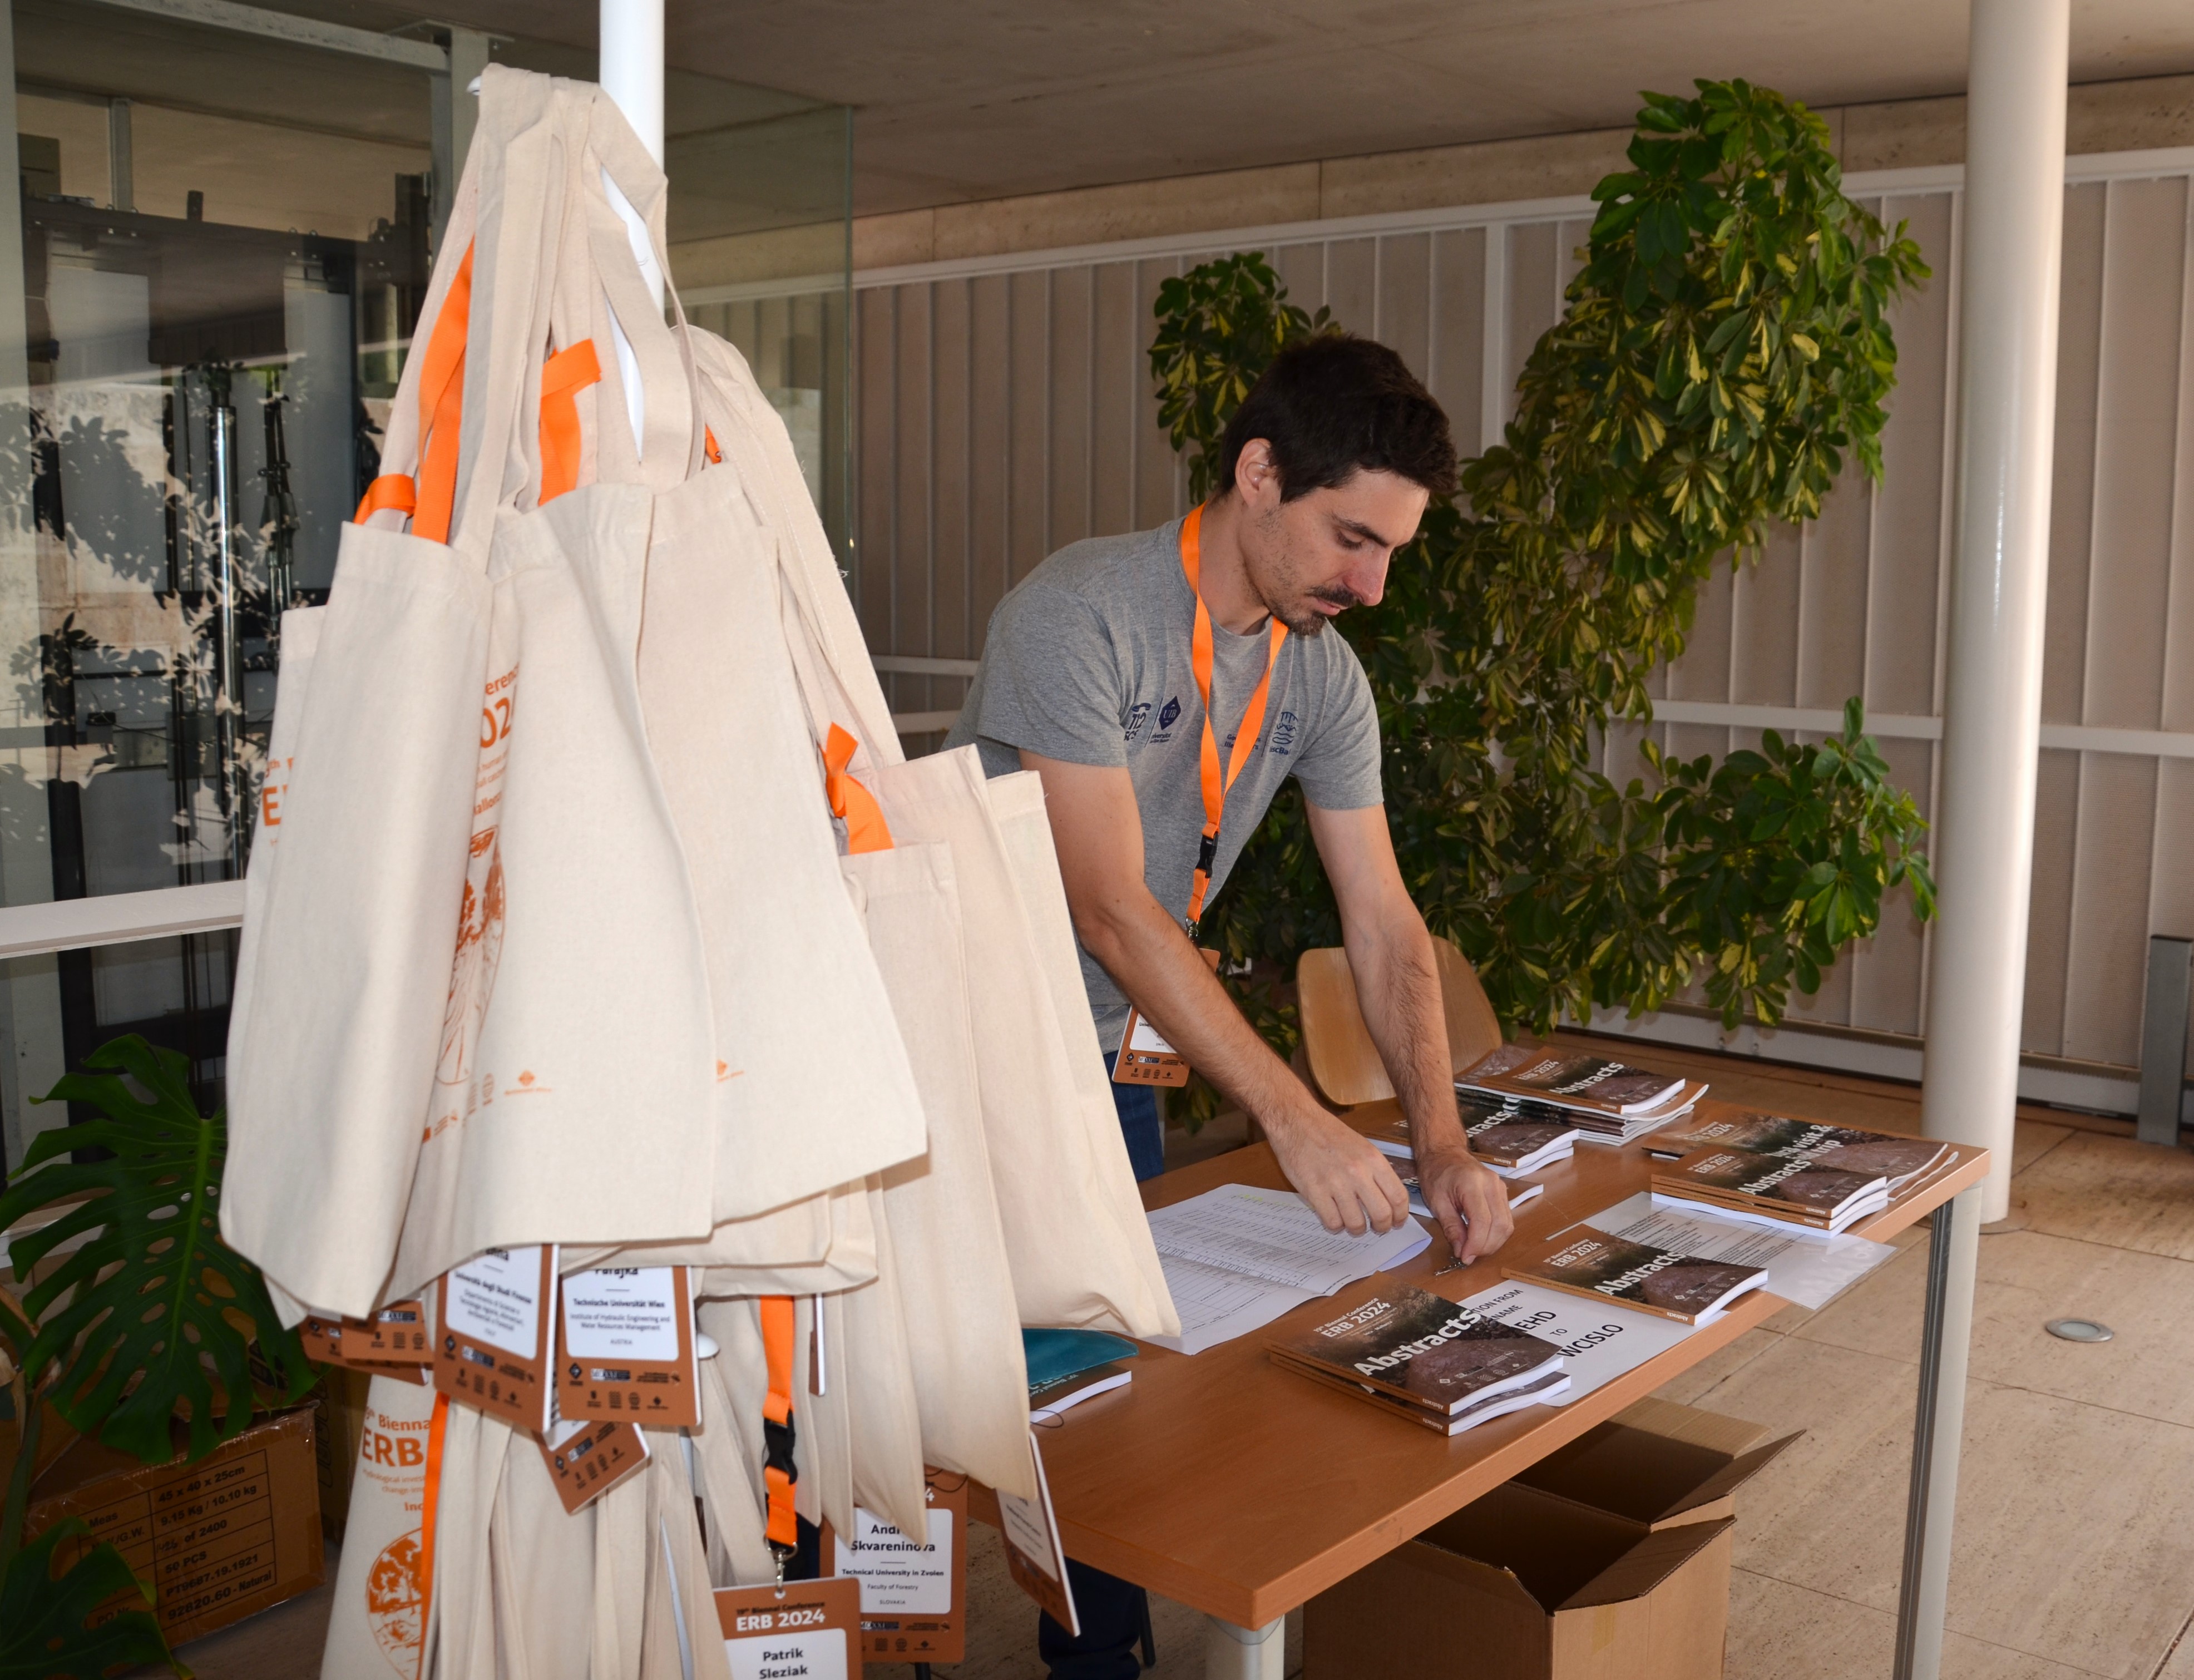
{"x": 853, "y": 804}
{"x": 427, "y": 1516}
{"x": 778, "y": 1472}
{"x": 430, "y": 499}
{"x": 563, "y": 377}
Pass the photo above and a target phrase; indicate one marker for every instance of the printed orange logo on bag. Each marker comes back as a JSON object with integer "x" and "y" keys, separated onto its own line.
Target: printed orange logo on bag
{"x": 396, "y": 1605}
{"x": 480, "y": 916}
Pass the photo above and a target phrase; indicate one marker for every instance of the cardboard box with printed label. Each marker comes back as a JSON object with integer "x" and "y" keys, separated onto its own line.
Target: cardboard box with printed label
{"x": 1526, "y": 1585}
{"x": 231, "y": 1534}
{"x": 1659, "y": 1463}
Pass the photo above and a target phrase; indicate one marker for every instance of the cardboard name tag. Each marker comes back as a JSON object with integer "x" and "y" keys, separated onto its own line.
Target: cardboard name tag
{"x": 588, "y": 1456}
{"x": 1034, "y": 1558}
{"x": 807, "y": 1629}
{"x": 496, "y": 1313}
{"x": 914, "y": 1593}
{"x": 1145, "y": 1058}
{"x": 392, "y": 1338}
{"x": 624, "y": 1347}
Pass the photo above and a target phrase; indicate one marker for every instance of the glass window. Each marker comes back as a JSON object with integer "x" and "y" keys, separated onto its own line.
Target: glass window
{"x": 224, "y": 239}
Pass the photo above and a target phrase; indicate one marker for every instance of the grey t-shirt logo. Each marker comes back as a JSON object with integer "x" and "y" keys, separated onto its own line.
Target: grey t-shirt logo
{"x": 1135, "y": 716}
{"x": 1283, "y": 734}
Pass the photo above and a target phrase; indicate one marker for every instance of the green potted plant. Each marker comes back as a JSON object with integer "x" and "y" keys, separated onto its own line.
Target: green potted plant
{"x": 150, "y": 1320}
{"x": 1723, "y": 354}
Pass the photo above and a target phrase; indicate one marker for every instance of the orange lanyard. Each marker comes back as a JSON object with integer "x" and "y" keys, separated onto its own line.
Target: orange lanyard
{"x": 1216, "y": 787}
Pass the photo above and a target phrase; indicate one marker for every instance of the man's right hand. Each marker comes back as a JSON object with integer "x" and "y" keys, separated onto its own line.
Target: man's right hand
{"x": 1346, "y": 1180}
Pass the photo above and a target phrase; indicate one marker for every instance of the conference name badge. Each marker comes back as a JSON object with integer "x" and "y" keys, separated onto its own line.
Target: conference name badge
{"x": 1145, "y": 1058}
{"x": 494, "y": 1318}
{"x": 914, "y": 1590}
{"x": 588, "y": 1456}
{"x": 810, "y": 1629}
{"x": 391, "y": 1339}
{"x": 1035, "y": 1556}
{"x": 625, "y": 1347}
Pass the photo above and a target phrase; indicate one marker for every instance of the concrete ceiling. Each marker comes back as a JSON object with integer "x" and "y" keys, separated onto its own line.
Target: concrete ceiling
{"x": 961, "y": 100}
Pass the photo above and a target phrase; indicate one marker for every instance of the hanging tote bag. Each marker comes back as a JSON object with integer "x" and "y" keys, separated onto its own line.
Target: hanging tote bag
{"x": 751, "y": 438}
{"x": 803, "y": 1024}
{"x": 579, "y": 995}
{"x": 377, "y": 1620}
{"x": 1077, "y": 1258}
{"x": 1024, "y": 825}
{"x": 334, "y": 1050}
{"x": 540, "y": 1562}
{"x": 954, "y": 1281}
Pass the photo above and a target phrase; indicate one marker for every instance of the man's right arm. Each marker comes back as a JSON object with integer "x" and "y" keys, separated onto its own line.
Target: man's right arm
{"x": 1098, "y": 832}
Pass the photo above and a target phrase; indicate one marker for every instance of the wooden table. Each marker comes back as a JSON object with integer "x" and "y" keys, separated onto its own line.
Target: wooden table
{"x": 1227, "y": 1484}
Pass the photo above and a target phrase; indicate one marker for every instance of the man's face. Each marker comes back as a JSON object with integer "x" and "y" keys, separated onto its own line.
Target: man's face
{"x": 1311, "y": 558}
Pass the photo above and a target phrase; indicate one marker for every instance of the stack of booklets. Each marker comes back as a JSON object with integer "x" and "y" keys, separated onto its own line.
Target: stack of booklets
{"x": 1413, "y": 1355}
{"x": 1583, "y": 1261}
{"x": 1607, "y": 1101}
{"x": 1068, "y": 1367}
{"x": 1511, "y": 1136}
{"x": 1906, "y": 1163}
{"x": 1797, "y": 1192}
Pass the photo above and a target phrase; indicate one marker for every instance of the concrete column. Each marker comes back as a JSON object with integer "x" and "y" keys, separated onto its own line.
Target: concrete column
{"x": 2015, "y": 205}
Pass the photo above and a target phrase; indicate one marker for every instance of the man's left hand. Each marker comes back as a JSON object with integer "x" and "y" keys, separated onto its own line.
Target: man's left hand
{"x": 1468, "y": 1200}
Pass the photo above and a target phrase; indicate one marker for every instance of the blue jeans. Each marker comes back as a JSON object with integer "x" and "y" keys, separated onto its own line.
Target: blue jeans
{"x": 1115, "y": 1614}
{"x": 1142, "y": 1123}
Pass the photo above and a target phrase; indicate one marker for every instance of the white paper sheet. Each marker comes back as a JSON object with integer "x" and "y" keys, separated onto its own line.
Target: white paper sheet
{"x": 1600, "y": 1340}
{"x": 1237, "y": 1257}
{"x": 1809, "y": 1268}
{"x": 1273, "y": 1235}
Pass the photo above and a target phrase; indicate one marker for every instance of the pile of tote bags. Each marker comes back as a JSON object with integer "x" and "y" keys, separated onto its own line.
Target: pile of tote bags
{"x": 604, "y": 910}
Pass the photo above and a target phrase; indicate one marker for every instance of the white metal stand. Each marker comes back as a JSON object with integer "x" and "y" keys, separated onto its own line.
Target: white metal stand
{"x": 1231, "y": 1652}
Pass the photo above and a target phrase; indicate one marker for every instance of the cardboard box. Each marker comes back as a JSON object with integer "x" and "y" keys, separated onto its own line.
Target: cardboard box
{"x": 1659, "y": 1463}
{"x": 231, "y": 1534}
{"x": 1523, "y": 1586}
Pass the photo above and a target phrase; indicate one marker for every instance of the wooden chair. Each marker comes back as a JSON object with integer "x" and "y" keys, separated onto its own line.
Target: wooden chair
{"x": 1344, "y": 1061}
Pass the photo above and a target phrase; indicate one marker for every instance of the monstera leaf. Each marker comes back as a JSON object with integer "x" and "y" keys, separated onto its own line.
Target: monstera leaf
{"x": 154, "y": 1314}
{"x": 45, "y": 1631}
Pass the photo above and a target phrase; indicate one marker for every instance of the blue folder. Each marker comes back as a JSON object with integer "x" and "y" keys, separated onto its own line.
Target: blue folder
{"x": 1053, "y": 1355}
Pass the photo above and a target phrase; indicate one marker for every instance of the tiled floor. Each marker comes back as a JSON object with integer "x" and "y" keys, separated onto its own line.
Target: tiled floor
{"x": 2074, "y": 1555}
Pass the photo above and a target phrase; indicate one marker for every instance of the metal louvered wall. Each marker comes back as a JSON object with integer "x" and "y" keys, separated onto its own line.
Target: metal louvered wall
{"x": 1003, "y": 407}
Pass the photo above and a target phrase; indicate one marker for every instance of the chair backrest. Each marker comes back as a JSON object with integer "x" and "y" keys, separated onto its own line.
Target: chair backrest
{"x": 1344, "y": 1061}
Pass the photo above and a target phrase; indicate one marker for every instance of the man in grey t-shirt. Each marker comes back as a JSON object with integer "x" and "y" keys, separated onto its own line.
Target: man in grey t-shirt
{"x": 1089, "y": 676}
{"x": 1095, "y": 674}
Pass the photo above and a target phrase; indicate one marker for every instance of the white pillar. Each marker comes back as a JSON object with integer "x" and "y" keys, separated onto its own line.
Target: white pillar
{"x": 1992, "y": 718}
{"x": 2015, "y": 205}
{"x": 632, "y": 66}
{"x": 631, "y": 70}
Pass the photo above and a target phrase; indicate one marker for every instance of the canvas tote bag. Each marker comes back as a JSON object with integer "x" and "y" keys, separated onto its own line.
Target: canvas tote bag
{"x": 376, "y": 1622}
{"x": 542, "y": 1567}
{"x": 803, "y": 1024}
{"x": 333, "y": 1050}
{"x": 954, "y": 1282}
{"x": 1024, "y": 825}
{"x": 1076, "y": 1253}
{"x": 751, "y": 438}
{"x": 580, "y": 991}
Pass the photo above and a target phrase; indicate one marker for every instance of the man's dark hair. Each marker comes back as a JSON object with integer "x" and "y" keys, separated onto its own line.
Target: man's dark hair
{"x": 1336, "y": 404}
